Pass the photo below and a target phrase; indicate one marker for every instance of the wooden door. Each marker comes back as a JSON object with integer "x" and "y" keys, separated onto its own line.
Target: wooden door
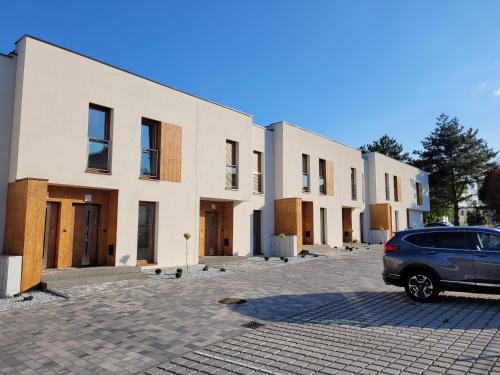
{"x": 322, "y": 219}
{"x": 211, "y": 230}
{"x": 85, "y": 235}
{"x": 50, "y": 239}
{"x": 347, "y": 224}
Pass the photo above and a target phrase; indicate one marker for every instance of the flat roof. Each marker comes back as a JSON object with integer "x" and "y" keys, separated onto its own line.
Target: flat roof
{"x": 129, "y": 72}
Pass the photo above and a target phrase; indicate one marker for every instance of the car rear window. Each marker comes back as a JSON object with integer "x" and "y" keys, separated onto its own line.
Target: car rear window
{"x": 420, "y": 239}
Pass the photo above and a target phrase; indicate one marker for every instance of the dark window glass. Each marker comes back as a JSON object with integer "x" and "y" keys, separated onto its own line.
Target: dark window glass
{"x": 149, "y": 147}
{"x": 421, "y": 239}
{"x": 231, "y": 165}
{"x": 305, "y": 173}
{"x": 98, "y": 135}
{"x": 322, "y": 176}
{"x": 450, "y": 240}
{"x": 487, "y": 241}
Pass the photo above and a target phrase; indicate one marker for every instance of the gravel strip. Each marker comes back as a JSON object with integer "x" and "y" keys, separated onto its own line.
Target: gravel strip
{"x": 39, "y": 297}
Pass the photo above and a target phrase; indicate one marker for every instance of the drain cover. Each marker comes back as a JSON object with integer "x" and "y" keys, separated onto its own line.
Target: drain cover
{"x": 253, "y": 325}
{"x": 232, "y": 301}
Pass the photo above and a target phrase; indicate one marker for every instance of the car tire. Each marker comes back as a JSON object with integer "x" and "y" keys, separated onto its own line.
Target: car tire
{"x": 421, "y": 286}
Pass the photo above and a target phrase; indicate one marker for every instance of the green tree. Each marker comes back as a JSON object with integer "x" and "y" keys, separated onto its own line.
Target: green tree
{"x": 489, "y": 192}
{"x": 476, "y": 218}
{"x": 454, "y": 157}
{"x": 387, "y": 146}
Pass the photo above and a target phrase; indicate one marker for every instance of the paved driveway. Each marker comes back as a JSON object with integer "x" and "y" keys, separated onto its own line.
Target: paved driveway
{"x": 320, "y": 315}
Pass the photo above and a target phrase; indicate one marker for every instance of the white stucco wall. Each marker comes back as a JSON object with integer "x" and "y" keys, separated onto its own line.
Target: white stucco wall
{"x": 7, "y": 80}
{"x": 290, "y": 143}
{"x": 55, "y": 93}
{"x": 377, "y": 165}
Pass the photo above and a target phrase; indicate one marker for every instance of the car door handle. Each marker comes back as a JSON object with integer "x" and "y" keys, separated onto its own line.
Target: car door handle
{"x": 431, "y": 252}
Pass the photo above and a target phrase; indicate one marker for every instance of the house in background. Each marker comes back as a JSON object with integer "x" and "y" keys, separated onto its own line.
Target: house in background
{"x": 99, "y": 166}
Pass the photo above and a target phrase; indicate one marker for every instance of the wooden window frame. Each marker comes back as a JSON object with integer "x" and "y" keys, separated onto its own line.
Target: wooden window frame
{"x": 258, "y": 174}
{"x": 154, "y": 151}
{"x": 233, "y": 166}
{"x": 106, "y": 141}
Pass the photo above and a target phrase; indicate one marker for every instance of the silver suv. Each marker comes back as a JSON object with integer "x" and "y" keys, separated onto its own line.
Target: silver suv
{"x": 427, "y": 261}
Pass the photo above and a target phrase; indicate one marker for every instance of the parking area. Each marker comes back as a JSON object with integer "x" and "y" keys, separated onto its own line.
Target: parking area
{"x": 331, "y": 313}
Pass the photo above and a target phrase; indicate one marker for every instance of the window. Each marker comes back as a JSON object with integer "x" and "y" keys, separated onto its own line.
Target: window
{"x": 487, "y": 241}
{"x": 419, "y": 194}
{"x": 149, "y": 148}
{"x": 396, "y": 220}
{"x": 231, "y": 165}
{"x": 450, "y": 240}
{"x": 421, "y": 239}
{"x": 387, "y": 188}
{"x": 146, "y": 232}
{"x": 395, "y": 181}
{"x": 354, "y": 188}
{"x": 305, "y": 174}
{"x": 322, "y": 176}
{"x": 257, "y": 172}
{"x": 98, "y": 135}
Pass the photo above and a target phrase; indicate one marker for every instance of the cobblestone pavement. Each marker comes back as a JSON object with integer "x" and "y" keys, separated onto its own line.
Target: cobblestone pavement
{"x": 329, "y": 307}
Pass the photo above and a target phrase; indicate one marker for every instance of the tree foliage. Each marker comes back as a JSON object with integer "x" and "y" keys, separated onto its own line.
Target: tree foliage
{"x": 387, "y": 146}
{"x": 455, "y": 158}
{"x": 476, "y": 217}
{"x": 489, "y": 192}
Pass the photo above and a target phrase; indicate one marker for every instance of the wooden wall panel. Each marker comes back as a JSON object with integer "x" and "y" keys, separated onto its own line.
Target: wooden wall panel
{"x": 64, "y": 254}
{"x": 25, "y": 227}
{"x": 112, "y": 225}
{"x": 329, "y": 178}
{"x": 288, "y": 218}
{"x": 308, "y": 223}
{"x": 170, "y": 152}
{"x": 400, "y": 192}
{"x": 227, "y": 229}
{"x": 380, "y": 216}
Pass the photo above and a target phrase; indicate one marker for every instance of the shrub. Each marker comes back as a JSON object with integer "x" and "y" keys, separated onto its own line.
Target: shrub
{"x": 266, "y": 258}
{"x": 354, "y": 240}
{"x": 18, "y": 294}
{"x": 158, "y": 271}
{"x": 285, "y": 260}
{"x": 222, "y": 270}
{"x": 28, "y": 298}
{"x": 303, "y": 255}
{"x": 179, "y": 270}
{"x": 281, "y": 258}
{"x": 205, "y": 268}
{"x": 315, "y": 255}
{"x": 178, "y": 275}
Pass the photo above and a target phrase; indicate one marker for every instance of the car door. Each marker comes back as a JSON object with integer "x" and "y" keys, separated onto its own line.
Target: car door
{"x": 487, "y": 258}
{"x": 452, "y": 257}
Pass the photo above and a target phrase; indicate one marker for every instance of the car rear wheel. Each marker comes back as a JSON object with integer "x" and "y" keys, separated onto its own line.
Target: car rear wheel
{"x": 421, "y": 286}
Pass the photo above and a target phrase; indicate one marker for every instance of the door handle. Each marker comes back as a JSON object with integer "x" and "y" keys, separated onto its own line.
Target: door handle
{"x": 432, "y": 252}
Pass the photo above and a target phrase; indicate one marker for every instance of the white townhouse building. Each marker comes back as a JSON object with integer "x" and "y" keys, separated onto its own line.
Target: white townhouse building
{"x": 100, "y": 166}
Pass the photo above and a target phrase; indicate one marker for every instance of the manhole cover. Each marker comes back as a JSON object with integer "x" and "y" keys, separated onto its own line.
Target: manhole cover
{"x": 232, "y": 301}
{"x": 253, "y": 325}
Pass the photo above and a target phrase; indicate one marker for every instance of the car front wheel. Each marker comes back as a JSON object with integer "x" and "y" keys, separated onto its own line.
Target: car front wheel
{"x": 421, "y": 286}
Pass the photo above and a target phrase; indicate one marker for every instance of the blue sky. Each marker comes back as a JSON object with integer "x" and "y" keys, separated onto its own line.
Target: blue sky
{"x": 351, "y": 70}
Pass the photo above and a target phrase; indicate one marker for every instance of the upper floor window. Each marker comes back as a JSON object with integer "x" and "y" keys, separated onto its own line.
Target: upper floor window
{"x": 322, "y": 176}
{"x": 257, "y": 172}
{"x": 354, "y": 187}
{"x": 420, "y": 200}
{"x": 149, "y": 148}
{"x": 231, "y": 164}
{"x": 306, "y": 188}
{"x": 99, "y": 139}
{"x": 387, "y": 188}
{"x": 397, "y": 191}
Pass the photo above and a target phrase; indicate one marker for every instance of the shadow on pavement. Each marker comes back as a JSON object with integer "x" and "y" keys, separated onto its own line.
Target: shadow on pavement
{"x": 376, "y": 309}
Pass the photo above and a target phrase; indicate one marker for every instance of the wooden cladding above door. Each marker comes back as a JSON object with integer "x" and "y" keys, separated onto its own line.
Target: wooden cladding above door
{"x": 380, "y": 216}
{"x": 329, "y": 178}
{"x": 224, "y": 226}
{"x": 24, "y": 227}
{"x": 288, "y": 218}
{"x": 170, "y": 152}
